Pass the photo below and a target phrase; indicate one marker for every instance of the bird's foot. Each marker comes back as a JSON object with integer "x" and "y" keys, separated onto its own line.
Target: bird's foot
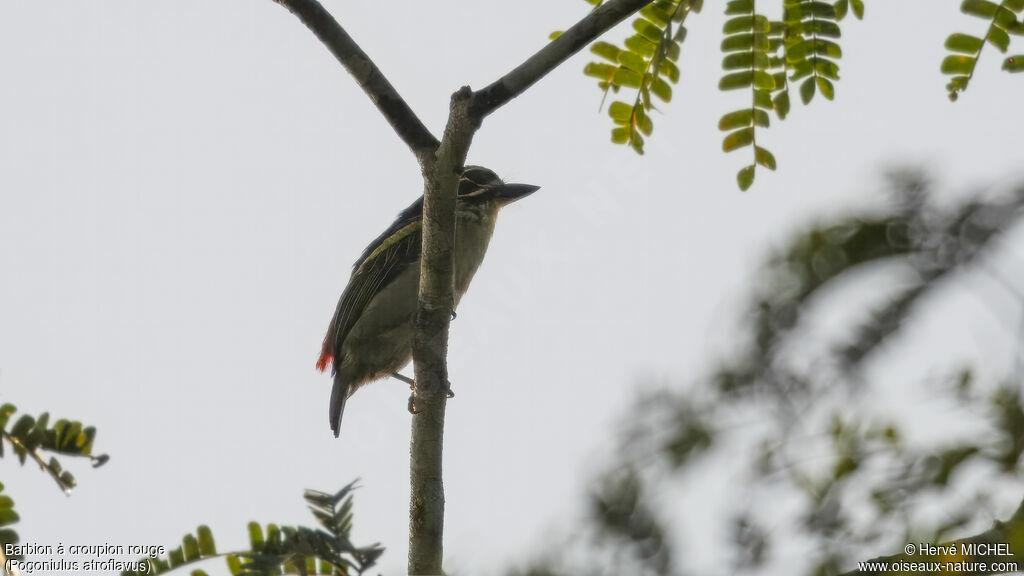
{"x": 448, "y": 392}
{"x": 454, "y": 315}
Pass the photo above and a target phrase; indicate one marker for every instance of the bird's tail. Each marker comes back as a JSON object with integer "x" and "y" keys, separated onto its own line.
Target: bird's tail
{"x": 339, "y": 394}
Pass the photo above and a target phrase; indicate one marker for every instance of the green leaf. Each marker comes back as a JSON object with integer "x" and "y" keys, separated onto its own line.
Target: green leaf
{"x": 739, "y": 60}
{"x": 637, "y": 143}
{"x": 738, "y": 139}
{"x": 999, "y": 38}
{"x": 255, "y": 537}
{"x": 656, "y": 14}
{"x": 956, "y": 64}
{"x": 819, "y": 10}
{"x": 745, "y": 177}
{"x": 738, "y": 42}
{"x": 827, "y": 68}
{"x": 644, "y": 122}
{"x": 1014, "y": 64}
{"x": 963, "y": 43}
{"x": 841, "y": 6}
{"x": 737, "y": 119}
{"x": 627, "y": 78}
{"x": 858, "y": 8}
{"x": 8, "y": 516}
{"x": 762, "y": 99}
{"x": 599, "y": 70}
{"x": 670, "y": 70}
{"x": 22, "y": 426}
{"x": 980, "y": 8}
{"x": 605, "y": 50}
{"x": 781, "y": 104}
{"x": 620, "y": 135}
{"x": 662, "y": 90}
{"x": 801, "y": 69}
{"x": 206, "y": 544}
{"x": 621, "y": 112}
{"x": 190, "y": 548}
{"x": 765, "y": 158}
{"x": 5, "y": 414}
{"x": 956, "y": 85}
{"x": 632, "y": 60}
{"x": 736, "y": 80}
{"x": 764, "y": 81}
{"x": 807, "y": 90}
{"x": 738, "y": 24}
{"x": 640, "y": 45}
{"x": 647, "y": 29}
{"x": 816, "y": 27}
{"x": 739, "y": 7}
{"x": 555, "y": 34}
{"x": 814, "y": 46}
{"x": 826, "y": 88}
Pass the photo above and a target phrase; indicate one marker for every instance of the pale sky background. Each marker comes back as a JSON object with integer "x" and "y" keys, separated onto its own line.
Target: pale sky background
{"x": 184, "y": 186}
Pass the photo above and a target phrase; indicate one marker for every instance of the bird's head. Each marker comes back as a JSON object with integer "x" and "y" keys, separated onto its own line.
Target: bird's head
{"x": 479, "y": 185}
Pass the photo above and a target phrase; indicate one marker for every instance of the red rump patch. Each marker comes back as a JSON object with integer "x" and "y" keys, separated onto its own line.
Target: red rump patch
{"x": 325, "y": 359}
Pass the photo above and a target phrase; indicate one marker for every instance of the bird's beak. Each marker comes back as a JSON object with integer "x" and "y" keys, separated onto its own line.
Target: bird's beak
{"x": 509, "y": 193}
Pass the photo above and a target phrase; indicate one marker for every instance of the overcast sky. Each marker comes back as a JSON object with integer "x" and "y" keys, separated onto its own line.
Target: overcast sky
{"x": 184, "y": 186}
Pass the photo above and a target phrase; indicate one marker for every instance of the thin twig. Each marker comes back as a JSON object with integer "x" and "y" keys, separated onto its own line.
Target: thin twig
{"x": 397, "y": 112}
{"x": 550, "y": 56}
{"x": 39, "y": 460}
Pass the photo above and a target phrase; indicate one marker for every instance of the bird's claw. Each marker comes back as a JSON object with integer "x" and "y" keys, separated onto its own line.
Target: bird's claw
{"x": 454, "y": 315}
{"x": 448, "y": 393}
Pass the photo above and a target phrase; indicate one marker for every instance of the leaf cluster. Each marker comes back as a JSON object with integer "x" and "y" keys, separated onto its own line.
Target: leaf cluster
{"x": 29, "y": 437}
{"x": 766, "y": 57}
{"x": 759, "y": 54}
{"x": 645, "y": 61}
{"x": 275, "y": 550}
{"x": 1002, "y": 21}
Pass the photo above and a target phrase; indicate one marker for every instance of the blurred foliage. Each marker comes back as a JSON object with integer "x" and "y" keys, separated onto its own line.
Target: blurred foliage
{"x": 277, "y": 549}
{"x": 797, "y": 413}
{"x": 765, "y": 55}
{"x": 29, "y": 437}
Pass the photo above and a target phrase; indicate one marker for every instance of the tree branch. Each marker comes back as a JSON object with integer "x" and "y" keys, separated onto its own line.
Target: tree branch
{"x": 401, "y": 117}
{"x": 549, "y": 57}
{"x": 430, "y": 345}
{"x": 1002, "y": 544}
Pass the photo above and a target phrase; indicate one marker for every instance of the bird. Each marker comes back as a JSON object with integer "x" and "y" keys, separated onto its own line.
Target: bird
{"x": 370, "y": 336}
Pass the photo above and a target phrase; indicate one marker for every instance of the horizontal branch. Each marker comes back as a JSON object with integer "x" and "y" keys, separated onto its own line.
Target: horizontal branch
{"x": 549, "y": 57}
{"x": 397, "y": 112}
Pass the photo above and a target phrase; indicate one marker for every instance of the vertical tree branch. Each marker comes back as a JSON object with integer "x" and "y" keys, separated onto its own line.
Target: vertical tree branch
{"x": 430, "y": 347}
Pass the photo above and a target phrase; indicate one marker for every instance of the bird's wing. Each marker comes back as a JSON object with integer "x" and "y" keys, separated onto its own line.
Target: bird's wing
{"x": 382, "y": 261}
